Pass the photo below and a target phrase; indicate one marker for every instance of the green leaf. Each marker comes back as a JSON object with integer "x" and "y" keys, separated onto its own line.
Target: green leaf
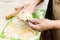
{"x": 35, "y": 15}
{"x": 2, "y": 35}
{"x": 44, "y": 12}
{"x": 9, "y": 22}
{"x": 37, "y": 38}
{"x": 14, "y": 38}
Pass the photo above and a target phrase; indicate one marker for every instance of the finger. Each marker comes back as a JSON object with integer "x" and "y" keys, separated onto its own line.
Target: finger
{"x": 35, "y": 27}
{"x": 34, "y": 21}
{"x": 19, "y": 6}
{"x": 9, "y": 16}
{"x": 13, "y": 14}
{"x": 17, "y": 10}
{"x": 31, "y": 25}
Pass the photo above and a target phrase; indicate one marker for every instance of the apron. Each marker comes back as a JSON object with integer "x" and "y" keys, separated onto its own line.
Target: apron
{"x": 52, "y": 14}
{"x": 56, "y": 14}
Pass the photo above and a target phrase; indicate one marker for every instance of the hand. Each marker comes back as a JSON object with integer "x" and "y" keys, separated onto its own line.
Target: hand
{"x": 27, "y": 10}
{"x": 27, "y": 7}
{"x": 41, "y": 25}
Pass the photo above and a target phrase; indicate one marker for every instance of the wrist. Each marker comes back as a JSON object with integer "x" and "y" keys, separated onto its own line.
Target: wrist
{"x": 54, "y": 24}
{"x": 35, "y": 2}
{"x": 51, "y": 23}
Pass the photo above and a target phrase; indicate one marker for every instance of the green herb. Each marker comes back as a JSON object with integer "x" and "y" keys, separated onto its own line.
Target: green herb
{"x": 14, "y": 38}
{"x": 37, "y": 38}
{"x": 35, "y": 15}
{"x": 2, "y": 35}
{"x": 44, "y": 12}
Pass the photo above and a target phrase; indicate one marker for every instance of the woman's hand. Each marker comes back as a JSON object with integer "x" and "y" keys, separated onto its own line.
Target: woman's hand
{"x": 41, "y": 25}
{"x": 28, "y": 6}
{"x": 28, "y": 9}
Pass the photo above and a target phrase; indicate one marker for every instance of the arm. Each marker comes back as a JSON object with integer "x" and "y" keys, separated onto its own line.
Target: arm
{"x": 44, "y": 24}
{"x": 56, "y": 24}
